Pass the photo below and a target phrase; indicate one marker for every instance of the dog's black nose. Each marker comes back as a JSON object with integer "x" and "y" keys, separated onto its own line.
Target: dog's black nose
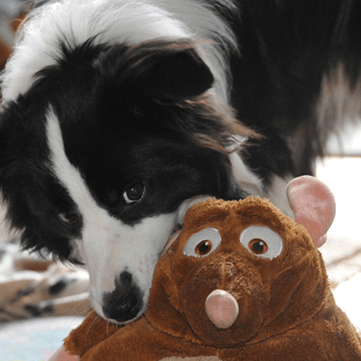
{"x": 124, "y": 303}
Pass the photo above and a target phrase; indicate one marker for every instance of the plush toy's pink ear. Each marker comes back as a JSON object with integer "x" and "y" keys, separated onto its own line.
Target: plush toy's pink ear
{"x": 314, "y": 206}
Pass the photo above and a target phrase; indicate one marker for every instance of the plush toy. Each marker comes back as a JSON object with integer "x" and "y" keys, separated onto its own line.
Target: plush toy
{"x": 241, "y": 281}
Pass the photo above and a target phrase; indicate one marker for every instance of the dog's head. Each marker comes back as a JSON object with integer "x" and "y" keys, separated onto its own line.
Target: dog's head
{"x": 97, "y": 157}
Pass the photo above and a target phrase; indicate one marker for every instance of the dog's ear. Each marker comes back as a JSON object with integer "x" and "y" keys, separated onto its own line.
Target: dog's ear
{"x": 181, "y": 74}
{"x": 171, "y": 70}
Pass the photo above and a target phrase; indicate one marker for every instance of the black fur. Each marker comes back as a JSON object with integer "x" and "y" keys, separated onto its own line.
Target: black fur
{"x": 287, "y": 46}
{"x": 121, "y": 125}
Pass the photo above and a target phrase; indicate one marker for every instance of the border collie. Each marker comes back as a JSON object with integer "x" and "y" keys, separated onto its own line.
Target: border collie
{"x": 117, "y": 115}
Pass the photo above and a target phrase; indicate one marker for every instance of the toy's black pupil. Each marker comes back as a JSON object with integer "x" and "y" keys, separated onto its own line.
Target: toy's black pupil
{"x": 203, "y": 248}
{"x": 258, "y": 246}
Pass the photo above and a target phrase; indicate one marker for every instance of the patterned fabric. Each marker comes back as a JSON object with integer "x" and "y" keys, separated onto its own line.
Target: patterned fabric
{"x": 31, "y": 286}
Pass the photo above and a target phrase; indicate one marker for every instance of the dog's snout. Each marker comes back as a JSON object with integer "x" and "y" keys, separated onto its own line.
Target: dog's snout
{"x": 125, "y": 302}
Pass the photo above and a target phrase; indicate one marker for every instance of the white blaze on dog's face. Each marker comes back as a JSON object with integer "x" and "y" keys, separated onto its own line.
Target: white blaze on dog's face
{"x": 120, "y": 258}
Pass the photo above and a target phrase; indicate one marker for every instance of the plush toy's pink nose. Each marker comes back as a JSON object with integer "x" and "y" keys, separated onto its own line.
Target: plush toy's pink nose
{"x": 222, "y": 308}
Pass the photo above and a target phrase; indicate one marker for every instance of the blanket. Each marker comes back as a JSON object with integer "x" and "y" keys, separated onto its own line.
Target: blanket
{"x": 32, "y": 286}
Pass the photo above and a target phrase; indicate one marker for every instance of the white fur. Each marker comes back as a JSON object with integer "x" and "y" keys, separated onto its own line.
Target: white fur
{"x": 108, "y": 246}
{"x": 337, "y": 101}
{"x": 277, "y": 194}
{"x": 245, "y": 178}
{"x": 116, "y": 21}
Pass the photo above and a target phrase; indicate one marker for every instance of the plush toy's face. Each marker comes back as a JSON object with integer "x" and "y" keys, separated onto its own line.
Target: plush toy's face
{"x": 263, "y": 259}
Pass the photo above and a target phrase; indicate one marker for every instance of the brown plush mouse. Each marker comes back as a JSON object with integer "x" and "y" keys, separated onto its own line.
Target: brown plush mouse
{"x": 241, "y": 281}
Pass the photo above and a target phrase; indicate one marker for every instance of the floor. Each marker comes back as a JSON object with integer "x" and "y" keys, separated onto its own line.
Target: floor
{"x": 342, "y": 252}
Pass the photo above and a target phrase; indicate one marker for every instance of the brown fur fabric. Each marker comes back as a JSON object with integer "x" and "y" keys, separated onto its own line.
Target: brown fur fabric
{"x": 286, "y": 309}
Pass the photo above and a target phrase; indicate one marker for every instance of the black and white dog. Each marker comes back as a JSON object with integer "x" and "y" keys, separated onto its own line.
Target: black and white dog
{"x": 118, "y": 114}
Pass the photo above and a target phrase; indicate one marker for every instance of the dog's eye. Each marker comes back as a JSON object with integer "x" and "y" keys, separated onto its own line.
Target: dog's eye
{"x": 134, "y": 193}
{"x": 203, "y": 243}
{"x": 262, "y": 242}
{"x": 70, "y": 217}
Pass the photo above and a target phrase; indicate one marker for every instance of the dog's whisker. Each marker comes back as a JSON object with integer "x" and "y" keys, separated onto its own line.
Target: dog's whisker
{"x": 89, "y": 328}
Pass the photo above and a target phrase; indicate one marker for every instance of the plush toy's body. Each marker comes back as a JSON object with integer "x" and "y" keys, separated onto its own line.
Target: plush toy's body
{"x": 242, "y": 281}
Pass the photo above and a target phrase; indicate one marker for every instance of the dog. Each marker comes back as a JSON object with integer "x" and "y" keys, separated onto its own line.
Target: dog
{"x": 118, "y": 115}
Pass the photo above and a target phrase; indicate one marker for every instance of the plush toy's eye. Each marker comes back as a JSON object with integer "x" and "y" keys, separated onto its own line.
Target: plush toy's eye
{"x": 203, "y": 243}
{"x": 262, "y": 242}
{"x": 203, "y": 248}
{"x": 258, "y": 246}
